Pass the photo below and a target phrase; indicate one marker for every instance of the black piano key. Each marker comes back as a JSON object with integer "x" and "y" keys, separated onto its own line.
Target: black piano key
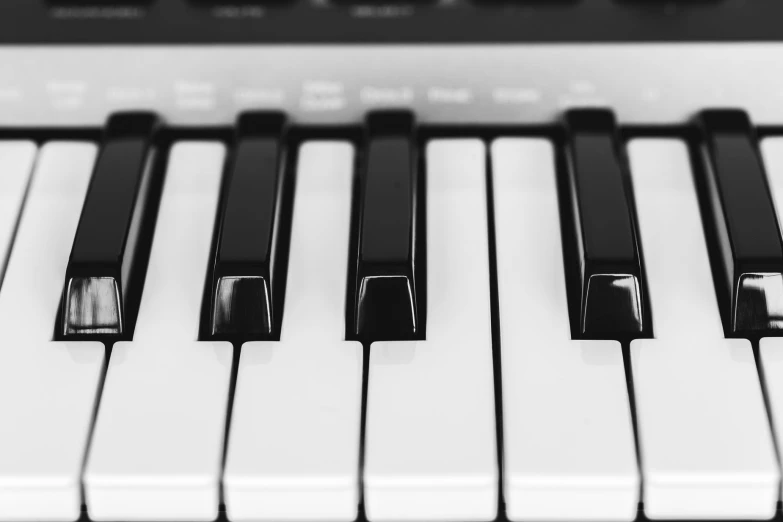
{"x": 245, "y": 278}
{"x": 610, "y": 276}
{"x": 386, "y": 297}
{"x": 744, "y": 222}
{"x": 107, "y": 246}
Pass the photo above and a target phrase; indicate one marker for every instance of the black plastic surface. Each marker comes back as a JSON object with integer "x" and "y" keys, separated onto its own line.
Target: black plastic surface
{"x": 387, "y": 304}
{"x": 107, "y": 243}
{"x": 744, "y": 222}
{"x": 345, "y": 21}
{"x": 245, "y": 278}
{"x": 610, "y": 275}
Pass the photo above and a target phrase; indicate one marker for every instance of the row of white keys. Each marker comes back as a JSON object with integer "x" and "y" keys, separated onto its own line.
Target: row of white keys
{"x": 293, "y": 449}
{"x": 771, "y": 349}
{"x": 158, "y": 443}
{"x": 568, "y": 436}
{"x": 706, "y": 444}
{"x": 47, "y": 390}
{"x": 430, "y": 444}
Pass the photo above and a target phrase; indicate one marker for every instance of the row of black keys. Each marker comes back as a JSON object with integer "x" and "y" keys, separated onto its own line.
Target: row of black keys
{"x": 246, "y": 278}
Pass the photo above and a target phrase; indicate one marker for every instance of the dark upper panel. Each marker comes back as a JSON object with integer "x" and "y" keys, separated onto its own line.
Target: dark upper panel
{"x": 379, "y": 21}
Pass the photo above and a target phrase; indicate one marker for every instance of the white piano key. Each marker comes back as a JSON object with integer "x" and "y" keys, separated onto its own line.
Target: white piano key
{"x": 293, "y": 451}
{"x": 47, "y": 390}
{"x": 568, "y": 436}
{"x": 771, "y": 349}
{"x": 17, "y": 158}
{"x": 430, "y": 434}
{"x": 771, "y": 359}
{"x": 706, "y": 445}
{"x": 158, "y": 443}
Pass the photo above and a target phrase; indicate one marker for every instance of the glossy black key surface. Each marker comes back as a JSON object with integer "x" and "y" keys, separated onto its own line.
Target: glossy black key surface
{"x": 386, "y": 296}
{"x": 744, "y": 223}
{"x": 107, "y": 244}
{"x": 245, "y": 278}
{"x": 608, "y": 256}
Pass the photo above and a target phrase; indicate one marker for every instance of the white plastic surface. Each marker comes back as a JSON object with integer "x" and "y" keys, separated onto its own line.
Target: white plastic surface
{"x": 512, "y": 83}
{"x": 431, "y": 438}
{"x": 293, "y": 451}
{"x": 568, "y": 435}
{"x": 771, "y": 349}
{"x": 706, "y": 444}
{"x": 17, "y": 158}
{"x": 771, "y": 359}
{"x": 47, "y": 390}
{"x": 158, "y": 443}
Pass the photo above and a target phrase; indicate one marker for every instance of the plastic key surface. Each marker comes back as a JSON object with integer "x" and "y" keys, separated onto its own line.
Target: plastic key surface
{"x": 706, "y": 445}
{"x": 48, "y": 390}
{"x": 609, "y": 268}
{"x": 293, "y": 449}
{"x": 744, "y": 221}
{"x": 387, "y": 304}
{"x": 568, "y": 436}
{"x": 771, "y": 348}
{"x": 17, "y": 158}
{"x": 245, "y": 282}
{"x": 430, "y": 448}
{"x": 103, "y": 269}
{"x": 158, "y": 443}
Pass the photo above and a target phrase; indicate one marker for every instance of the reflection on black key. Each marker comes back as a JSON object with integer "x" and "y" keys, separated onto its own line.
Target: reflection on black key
{"x": 106, "y": 247}
{"x": 744, "y": 223}
{"x": 609, "y": 267}
{"x": 386, "y": 297}
{"x": 245, "y": 276}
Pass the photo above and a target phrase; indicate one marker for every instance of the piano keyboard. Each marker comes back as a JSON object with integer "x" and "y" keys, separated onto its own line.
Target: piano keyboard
{"x": 392, "y": 322}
